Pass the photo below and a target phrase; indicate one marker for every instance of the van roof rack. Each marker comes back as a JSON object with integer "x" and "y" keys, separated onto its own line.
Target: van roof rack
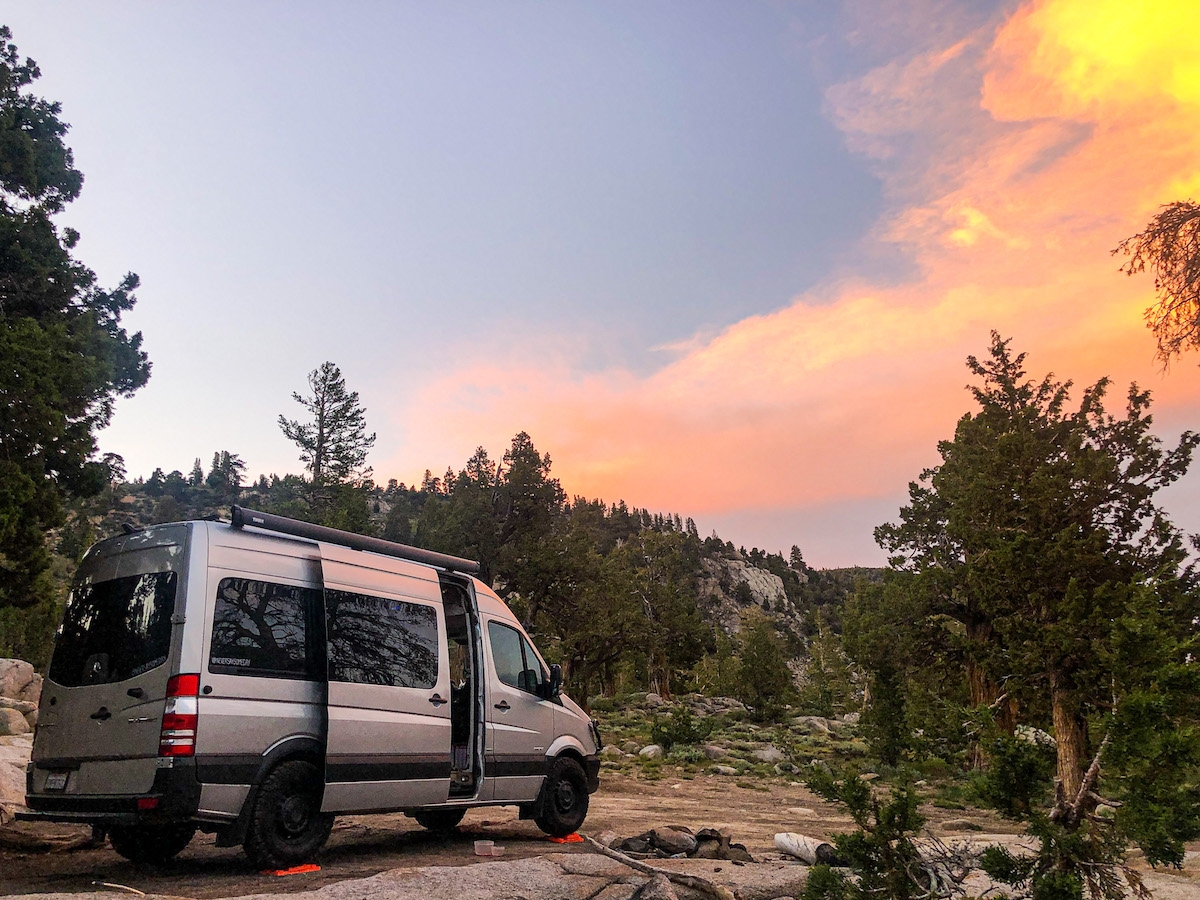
{"x": 241, "y": 517}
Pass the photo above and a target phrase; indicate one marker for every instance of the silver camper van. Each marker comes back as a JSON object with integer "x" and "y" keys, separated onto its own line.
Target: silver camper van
{"x": 256, "y": 678}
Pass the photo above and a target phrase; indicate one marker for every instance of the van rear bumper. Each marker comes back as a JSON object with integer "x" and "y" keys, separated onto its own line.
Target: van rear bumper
{"x": 176, "y": 789}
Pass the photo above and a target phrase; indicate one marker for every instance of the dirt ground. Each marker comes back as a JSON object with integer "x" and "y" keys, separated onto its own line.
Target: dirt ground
{"x": 366, "y": 845}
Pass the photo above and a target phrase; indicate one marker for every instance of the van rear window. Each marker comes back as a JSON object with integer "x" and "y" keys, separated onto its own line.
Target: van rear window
{"x": 260, "y": 628}
{"x": 115, "y": 630}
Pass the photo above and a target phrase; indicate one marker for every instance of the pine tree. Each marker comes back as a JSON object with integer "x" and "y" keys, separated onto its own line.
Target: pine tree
{"x": 334, "y": 442}
{"x": 1039, "y": 535}
{"x": 66, "y": 357}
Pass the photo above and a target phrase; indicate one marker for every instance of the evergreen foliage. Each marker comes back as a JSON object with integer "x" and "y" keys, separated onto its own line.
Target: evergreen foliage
{"x": 764, "y": 682}
{"x": 680, "y": 728}
{"x": 66, "y": 356}
{"x": 334, "y": 442}
{"x": 1033, "y": 568}
{"x": 881, "y": 854}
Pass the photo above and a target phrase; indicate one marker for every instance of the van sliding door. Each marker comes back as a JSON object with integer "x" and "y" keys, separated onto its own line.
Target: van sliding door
{"x": 388, "y": 744}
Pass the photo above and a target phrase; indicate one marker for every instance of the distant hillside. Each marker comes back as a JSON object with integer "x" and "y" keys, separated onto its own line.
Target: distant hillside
{"x": 625, "y": 598}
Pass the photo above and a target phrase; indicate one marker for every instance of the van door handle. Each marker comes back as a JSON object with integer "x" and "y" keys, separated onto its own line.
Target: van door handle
{"x": 101, "y": 714}
{"x": 503, "y": 705}
{"x": 436, "y": 700}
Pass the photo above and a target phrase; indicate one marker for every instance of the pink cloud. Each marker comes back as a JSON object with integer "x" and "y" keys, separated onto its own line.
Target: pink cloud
{"x": 1009, "y": 188}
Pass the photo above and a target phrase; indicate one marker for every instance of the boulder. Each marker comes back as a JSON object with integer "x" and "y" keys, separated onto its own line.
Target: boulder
{"x": 813, "y": 723}
{"x": 657, "y": 888}
{"x": 31, "y": 717}
{"x": 12, "y": 722}
{"x": 770, "y": 755}
{"x": 640, "y": 844}
{"x": 19, "y": 681}
{"x": 653, "y": 700}
{"x": 608, "y": 838}
{"x": 712, "y": 751}
{"x": 617, "y": 891}
{"x": 611, "y": 752}
{"x": 725, "y": 770}
{"x": 24, "y": 707}
{"x": 672, "y": 840}
{"x": 651, "y": 751}
{"x": 851, "y": 718}
{"x": 14, "y": 754}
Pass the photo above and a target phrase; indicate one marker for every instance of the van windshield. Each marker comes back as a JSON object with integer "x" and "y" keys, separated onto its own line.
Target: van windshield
{"x": 114, "y": 630}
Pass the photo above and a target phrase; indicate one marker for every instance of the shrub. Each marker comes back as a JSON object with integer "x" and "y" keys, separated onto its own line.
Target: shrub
{"x": 679, "y": 728}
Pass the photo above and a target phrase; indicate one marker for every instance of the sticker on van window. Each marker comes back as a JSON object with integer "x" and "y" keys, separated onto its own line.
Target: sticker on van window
{"x": 228, "y": 661}
{"x": 146, "y": 667}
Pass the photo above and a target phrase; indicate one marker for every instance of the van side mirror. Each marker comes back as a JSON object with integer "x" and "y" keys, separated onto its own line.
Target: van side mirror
{"x": 555, "y": 680}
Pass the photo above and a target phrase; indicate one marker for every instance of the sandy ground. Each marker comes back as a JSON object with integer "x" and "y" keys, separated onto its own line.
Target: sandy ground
{"x": 363, "y": 846}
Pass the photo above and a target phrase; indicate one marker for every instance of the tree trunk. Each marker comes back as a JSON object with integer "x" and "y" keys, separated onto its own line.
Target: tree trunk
{"x": 1070, "y": 737}
{"x": 984, "y": 691}
{"x": 660, "y": 675}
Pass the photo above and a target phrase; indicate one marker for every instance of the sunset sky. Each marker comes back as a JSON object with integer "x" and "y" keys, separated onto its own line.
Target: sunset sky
{"x": 719, "y": 259}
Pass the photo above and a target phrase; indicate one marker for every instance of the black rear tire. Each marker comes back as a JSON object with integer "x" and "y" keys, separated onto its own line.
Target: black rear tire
{"x": 151, "y": 844}
{"x": 563, "y": 803}
{"x": 287, "y": 826}
{"x": 441, "y": 821}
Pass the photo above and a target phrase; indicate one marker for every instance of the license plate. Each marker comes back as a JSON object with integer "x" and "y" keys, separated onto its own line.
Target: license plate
{"x": 56, "y": 781}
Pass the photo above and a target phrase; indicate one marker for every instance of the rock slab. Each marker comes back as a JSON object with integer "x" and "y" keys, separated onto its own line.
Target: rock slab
{"x": 19, "y": 681}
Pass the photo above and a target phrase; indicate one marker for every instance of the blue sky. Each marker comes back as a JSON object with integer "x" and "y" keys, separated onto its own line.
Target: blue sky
{"x": 559, "y": 218}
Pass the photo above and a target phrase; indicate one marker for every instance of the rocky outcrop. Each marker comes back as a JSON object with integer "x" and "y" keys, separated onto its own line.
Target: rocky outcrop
{"x": 730, "y": 587}
{"x": 20, "y": 687}
{"x": 14, "y": 754}
{"x": 19, "y": 681}
{"x": 560, "y": 876}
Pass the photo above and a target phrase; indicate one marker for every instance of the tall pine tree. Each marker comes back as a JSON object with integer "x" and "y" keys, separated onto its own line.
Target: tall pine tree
{"x": 66, "y": 356}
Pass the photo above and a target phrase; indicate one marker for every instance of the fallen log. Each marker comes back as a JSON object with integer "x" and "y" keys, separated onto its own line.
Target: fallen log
{"x": 695, "y": 882}
{"x": 807, "y": 849}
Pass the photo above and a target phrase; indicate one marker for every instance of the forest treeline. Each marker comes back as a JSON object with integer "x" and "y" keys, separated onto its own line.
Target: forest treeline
{"x": 625, "y": 599}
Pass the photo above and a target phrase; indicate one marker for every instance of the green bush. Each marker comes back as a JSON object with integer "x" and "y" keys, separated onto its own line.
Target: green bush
{"x": 764, "y": 682}
{"x": 683, "y": 754}
{"x": 1019, "y": 776}
{"x": 679, "y": 728}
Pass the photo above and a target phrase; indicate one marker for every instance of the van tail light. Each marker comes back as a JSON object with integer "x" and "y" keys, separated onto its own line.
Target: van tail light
{"x": 178, "y": 737}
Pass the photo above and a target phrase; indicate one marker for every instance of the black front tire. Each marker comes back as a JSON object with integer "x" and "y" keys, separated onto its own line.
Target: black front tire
{"x": 441, "y": 821}
{"x": 151, "y": 845}
{"x": 287, "y": 826}
{"x": 563, "y": 803}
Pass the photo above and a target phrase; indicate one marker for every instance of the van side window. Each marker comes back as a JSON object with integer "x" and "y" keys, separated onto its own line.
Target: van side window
{"x": 514, "y": 659}
{"x": 260, "y": 628}
{"x": 535, "y": 675}
{"x": 373, "y": 640}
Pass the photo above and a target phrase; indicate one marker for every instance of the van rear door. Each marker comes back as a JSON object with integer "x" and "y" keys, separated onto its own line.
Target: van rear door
{"x": 388, "y": 744}
{"x": 102, "y": 704}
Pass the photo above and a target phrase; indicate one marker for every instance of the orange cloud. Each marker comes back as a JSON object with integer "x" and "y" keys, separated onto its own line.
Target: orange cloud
{"x": 1041, "y": 143}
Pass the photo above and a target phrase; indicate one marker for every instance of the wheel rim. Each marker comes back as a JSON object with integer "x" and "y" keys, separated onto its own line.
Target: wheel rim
{"x": 294, "y": 814}
{"x": 564, "y": 796}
